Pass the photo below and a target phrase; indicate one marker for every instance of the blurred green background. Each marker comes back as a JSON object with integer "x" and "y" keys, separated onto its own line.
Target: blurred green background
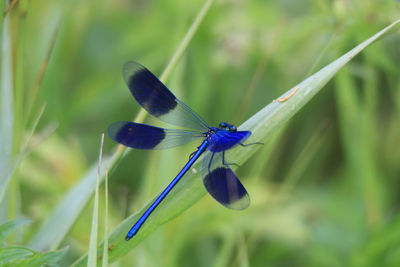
{"x": 324, "y": 189}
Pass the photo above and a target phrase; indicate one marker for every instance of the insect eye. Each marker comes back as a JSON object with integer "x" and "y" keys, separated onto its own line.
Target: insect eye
{"x": 228, "y": 127}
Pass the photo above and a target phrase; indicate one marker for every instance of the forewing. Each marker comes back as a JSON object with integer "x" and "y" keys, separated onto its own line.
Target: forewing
{"x": 155, "y": 97}
{"x": 143, "y": 136}
{"x": 222, "y": 183}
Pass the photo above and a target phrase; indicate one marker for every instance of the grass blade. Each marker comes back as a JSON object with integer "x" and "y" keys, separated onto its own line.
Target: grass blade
{"x": 262, "y": 124}
{"x": 55, "y": 228}
{"x": 3, "y": 7}
{"x": 21, "y": 155}
{"x": 6, "y": 105}
{"x": 9, "y": 227}
{"x": 35, "y": 90}
{"x": 92, "y": 255}
{"x": 50, "y": 258}
{"x": 105, "y": 242}
{"x": 20, "y": 256}
{"x": 10, "y": 254}
{"x": 186, "y": 40}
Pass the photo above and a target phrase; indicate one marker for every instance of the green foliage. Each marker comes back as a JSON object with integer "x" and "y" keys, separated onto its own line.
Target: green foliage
{"x": 9, "y": 227}
{"x": 324, "y": 187}
{"x": 22, "y": 256}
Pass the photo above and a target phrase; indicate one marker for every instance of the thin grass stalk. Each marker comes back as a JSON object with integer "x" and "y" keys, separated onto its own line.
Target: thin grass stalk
{"x": 105, "y": 244}
{"x": 6, "y": 104}
{"x": 92, "y": 254}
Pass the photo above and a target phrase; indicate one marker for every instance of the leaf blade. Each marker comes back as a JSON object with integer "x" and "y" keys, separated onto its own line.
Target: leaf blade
{"x": 8, "y": 228}
{"x": 6, "y": 106}
{"x": 95, "y": 219}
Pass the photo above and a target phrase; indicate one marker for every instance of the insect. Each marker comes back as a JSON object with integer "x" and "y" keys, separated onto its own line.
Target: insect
{"x": 218, "y": 178}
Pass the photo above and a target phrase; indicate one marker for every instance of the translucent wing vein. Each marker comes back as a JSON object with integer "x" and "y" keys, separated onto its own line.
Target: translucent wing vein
{"x": 155, "y": 97}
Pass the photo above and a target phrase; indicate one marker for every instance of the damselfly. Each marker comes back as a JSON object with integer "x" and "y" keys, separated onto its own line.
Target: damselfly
{"x": 218, "y": 178}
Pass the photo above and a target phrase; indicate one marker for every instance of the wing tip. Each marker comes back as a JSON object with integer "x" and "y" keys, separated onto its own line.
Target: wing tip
{"x": 130, "y": 69}
{"x": 241, "y": 204}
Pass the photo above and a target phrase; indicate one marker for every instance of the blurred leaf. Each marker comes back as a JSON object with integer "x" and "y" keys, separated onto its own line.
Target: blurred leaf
{"x": 6, "y": 107}
{"x": 21, "y": 256}
{"x": 10, "y": 227}
{"x": 24, "y": 151}
{"x": 2, "y": 9}
{"x": 53, "y": 231}
{"x": 381, "y": 248}
{"x": 44, "y": 259}
{"x": 262, "y": 124}
{"x": 11, "y": 254}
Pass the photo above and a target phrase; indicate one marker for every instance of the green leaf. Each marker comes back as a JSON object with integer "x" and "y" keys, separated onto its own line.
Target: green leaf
{"x": 9, "y": 227}
{"x": 43, "y": 259}
{"x": 262, "y": 124}
{"x": 12, "y": 254}
{"x": 22, "y": 256}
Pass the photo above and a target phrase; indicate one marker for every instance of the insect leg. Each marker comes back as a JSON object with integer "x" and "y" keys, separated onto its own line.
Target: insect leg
{"x": 256, "y": 143}
{"x": 226, "y": 163}
{"x": 211, "y": 159}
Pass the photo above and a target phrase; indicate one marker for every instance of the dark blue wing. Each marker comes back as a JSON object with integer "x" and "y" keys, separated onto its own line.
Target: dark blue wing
{"x": 155, "y": 97}
{"x": 222, "y": 183}
{"x": 223, "y": 140}
{"x": 142, "y": 136}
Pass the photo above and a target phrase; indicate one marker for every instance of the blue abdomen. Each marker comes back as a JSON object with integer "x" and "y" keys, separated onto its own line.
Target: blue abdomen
{"x": 223, "y": 140}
